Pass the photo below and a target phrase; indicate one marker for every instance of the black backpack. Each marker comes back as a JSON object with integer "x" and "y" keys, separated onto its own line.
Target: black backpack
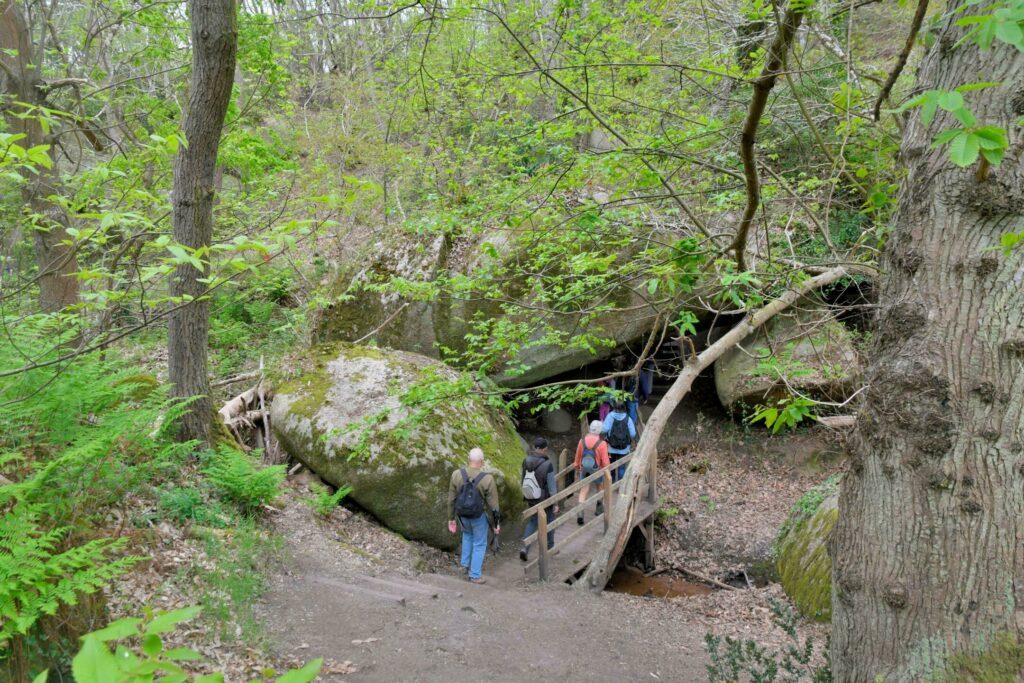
{"x": 618, "y": 437}
{"x": 469, "y": 503}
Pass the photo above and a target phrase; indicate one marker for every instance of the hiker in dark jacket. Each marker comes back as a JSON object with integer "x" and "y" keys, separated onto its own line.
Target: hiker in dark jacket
{"x": 619, "y": 432}
{"x": 544, "y": 473}
{"x": 473, "y": 518}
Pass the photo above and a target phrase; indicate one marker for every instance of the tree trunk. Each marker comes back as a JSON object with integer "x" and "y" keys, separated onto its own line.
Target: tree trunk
{"x": 214, "y": 40}
{"x": 58, "y": 286}
{"x": 609, "y": 550}
{"x": 928, "y": 552}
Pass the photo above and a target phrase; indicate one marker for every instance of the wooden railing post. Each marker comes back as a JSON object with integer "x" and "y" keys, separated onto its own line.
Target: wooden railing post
{"x": 542, "y": 543}
{"x": 562, "y": 457}
{"x": 607, "y": 493}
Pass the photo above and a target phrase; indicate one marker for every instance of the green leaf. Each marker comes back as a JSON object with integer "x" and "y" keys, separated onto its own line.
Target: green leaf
{"x": 94, "y": 663}
{"x": 183, "y": 654}
{"x": 947, "y": 135}
{"x": 1010, "y": 32}
{"x": 964, "y": 116}
{"x": 928, "y": 110}
{"x": 152, "y": 645}
{"x": 951, "y": 101}
{"x": 116, "y": 630}
{"x": 211, "y": 678}
{"x": 993, "y": 156}
{"x": 963, "y": 150}
{"x": 303, "y": 675}
{"x": 41, "y": 678}
{"x": 162, "y": 623}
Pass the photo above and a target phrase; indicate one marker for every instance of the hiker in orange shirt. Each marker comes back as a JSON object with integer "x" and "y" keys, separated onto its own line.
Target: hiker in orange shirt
{"x": 591, "y": 455}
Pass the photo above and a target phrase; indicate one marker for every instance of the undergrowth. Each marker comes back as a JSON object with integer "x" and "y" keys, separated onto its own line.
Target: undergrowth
{"x": 90, "y": 464}
{"x": 734, "y": 660}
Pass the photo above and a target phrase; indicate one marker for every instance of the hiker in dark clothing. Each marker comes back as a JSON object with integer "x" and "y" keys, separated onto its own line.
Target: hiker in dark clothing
{"x": 471, "y": 492}
{"x": 538, "y": 484}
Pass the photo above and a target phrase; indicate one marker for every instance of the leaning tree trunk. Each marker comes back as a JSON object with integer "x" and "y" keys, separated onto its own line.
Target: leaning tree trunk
{"x": 58, "y": 286}
{"x": 214, "y": 40}
{"x": 928, "y": 552}
{"x": 621, "y": 518}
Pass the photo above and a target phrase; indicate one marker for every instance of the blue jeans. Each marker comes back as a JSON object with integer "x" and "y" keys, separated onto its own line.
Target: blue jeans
{"x": 531, "y": 526}
{"x": 617, "y": 472}
{"x": 632, "y": 408}
{"x": 474, "y": 543}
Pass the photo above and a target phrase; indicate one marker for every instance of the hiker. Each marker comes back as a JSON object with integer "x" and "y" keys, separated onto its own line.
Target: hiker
{"x": 646, "y": 385}
{"x": 591, "y": 455}
{"x": 632, "y": 387}
{"x": 606, "y": 399}
{"x": 471, "y": 492}
{"x": 538, "y": 484}
{"x": 619, "y": 431}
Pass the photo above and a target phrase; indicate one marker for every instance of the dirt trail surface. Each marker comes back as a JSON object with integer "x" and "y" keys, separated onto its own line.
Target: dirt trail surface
{"x": 395, "y": 624}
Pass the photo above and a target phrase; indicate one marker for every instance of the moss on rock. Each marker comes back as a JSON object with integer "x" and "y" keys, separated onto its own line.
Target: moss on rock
{"x": 345, "y": 419}
{"x": 805, "y": 569}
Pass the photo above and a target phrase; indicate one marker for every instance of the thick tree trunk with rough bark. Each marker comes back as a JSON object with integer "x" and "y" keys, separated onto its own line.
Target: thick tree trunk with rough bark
{"x": 214, "y": 41}
{"x": 928, "y": 552}
{"x": 58, "y": 286}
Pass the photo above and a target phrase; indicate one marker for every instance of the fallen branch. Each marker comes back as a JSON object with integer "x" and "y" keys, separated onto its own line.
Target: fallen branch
{"x": 244, "y": 377}
{"x": 706, "y": 579}
{"x": 838, "y": 421}
{"x": 609, "y": 548}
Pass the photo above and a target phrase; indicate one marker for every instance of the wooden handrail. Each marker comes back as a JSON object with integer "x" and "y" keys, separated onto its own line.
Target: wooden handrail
{"x": 566, "y": 516}
{"x": 569, "y": 490}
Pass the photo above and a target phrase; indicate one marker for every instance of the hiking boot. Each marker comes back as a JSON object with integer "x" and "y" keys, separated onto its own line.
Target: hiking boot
{"x": 600, "y": 508}
{"x": 465, "y": 570}
{"x": 579, "y": 519}
{"x": 522, "y": 554}
{"x": 478, "y": 581}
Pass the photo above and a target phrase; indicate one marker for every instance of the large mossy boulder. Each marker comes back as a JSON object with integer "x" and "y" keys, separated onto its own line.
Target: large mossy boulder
{"x": 807, "y": 346}
{"x": 482, "y": 269}
{"x": 345, "y": 418}
{"x": 804, "y": 566}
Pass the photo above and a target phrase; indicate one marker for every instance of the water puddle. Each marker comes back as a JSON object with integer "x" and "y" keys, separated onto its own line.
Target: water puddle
{"x": 633, "y": 582}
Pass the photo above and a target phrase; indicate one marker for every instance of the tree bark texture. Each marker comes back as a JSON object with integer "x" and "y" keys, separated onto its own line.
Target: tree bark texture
{"x": 609, "y": 549}
{"x": 214, "y": 41}
{"x": 928, "y": 552}
{"x": 58, "y": 286}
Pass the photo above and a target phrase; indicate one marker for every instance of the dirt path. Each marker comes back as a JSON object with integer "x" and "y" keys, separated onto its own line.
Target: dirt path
{"x": 395, "y": 624}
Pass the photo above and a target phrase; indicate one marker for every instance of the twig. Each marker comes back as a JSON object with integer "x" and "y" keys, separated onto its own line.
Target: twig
{"x": 382, "y": 325}
{"x": 915, "y": 26}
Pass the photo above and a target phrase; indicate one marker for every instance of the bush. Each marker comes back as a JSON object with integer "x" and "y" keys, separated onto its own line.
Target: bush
{"x": 237, "y": 476}
{"x": 794, "y": 663}
{"x": 187, "y": 504}
{"x": 140, "y": 653}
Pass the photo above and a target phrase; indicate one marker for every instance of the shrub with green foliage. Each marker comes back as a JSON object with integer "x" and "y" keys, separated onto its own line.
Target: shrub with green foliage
{"x": 240, "y": 479}
{"x": 749, "y": 660}
{"x": 140, "y": 654}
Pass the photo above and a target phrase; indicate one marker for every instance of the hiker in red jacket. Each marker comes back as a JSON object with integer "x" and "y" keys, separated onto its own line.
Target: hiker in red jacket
{"x": 591, "y": 455}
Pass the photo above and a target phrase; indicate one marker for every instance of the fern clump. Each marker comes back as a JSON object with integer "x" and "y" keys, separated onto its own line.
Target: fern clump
{"x": 240, "y": 479}
{"x": 324, "y": 502}
{"x": 37, "y": 575}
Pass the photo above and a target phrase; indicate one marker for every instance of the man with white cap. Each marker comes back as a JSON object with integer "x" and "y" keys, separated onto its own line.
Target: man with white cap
{"x": 471, "y": 492}
{"x": 591, "y": 455}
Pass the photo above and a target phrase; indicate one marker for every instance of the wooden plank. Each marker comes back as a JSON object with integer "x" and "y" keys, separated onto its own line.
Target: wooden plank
{"x": 572, "y": 552}
{"x": 562, "y": 469}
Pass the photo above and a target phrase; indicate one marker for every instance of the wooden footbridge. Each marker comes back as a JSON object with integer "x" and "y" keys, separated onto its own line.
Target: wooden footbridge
{"x": 574, "y": 544}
